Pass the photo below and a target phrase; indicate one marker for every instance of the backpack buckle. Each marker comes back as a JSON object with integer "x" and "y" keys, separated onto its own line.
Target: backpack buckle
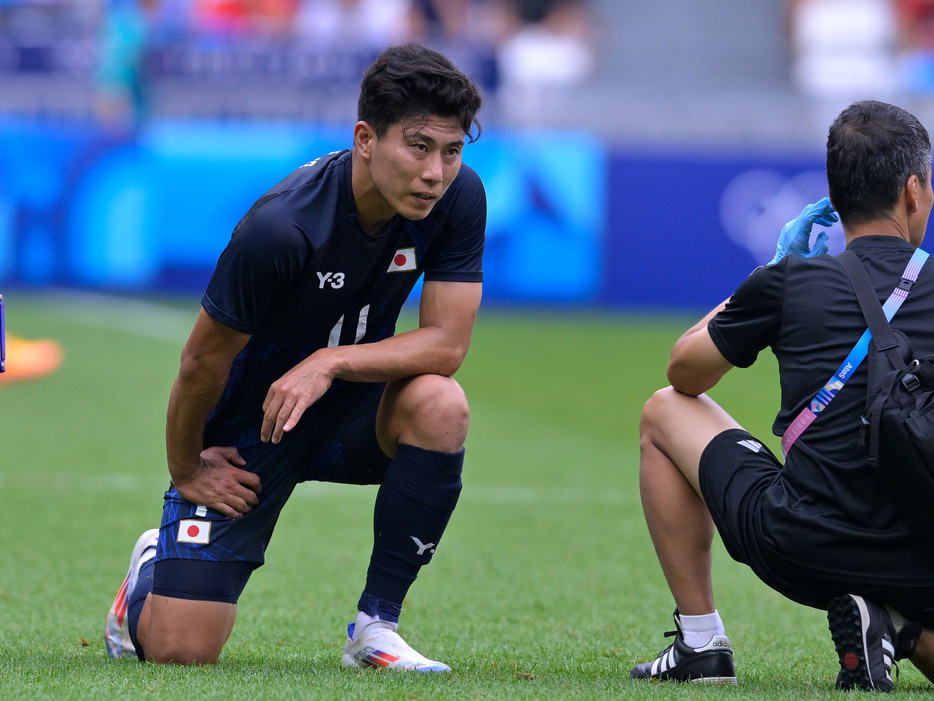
{"x": 911, "y": 382}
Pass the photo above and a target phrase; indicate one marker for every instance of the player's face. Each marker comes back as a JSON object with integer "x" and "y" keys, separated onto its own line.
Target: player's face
{"x": 414, "y": 162}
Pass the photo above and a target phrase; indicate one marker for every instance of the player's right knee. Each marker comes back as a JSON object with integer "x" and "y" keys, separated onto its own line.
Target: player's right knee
{"x": 428, "y": 411}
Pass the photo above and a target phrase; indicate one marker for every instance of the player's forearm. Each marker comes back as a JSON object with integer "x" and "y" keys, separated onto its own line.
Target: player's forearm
{"x": 190, "y": 405}
{"x": 699, "y": 326}
{"x": 423, "y": 351}
{"x": 696, "y": 364}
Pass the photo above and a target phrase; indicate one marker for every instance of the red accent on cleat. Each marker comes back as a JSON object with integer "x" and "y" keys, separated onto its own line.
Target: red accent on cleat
{"x": 850, "y": 660}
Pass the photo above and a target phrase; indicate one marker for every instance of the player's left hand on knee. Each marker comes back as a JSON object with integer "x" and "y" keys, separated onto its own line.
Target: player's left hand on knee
{"x": 795, "y": 237}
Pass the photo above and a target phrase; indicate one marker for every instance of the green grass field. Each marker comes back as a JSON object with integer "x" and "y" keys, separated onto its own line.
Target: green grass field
{"x": 545, "y": 586}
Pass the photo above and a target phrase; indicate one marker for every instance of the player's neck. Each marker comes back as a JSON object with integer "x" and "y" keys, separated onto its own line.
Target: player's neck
{"x": 373, "y": 211}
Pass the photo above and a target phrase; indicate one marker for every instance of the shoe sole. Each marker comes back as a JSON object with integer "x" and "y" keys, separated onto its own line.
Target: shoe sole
{"x": 690, "y": 680}
{"x": 714, "y": 680}
{"x": 848, "y": 617}
{"x": 348, "y": 661}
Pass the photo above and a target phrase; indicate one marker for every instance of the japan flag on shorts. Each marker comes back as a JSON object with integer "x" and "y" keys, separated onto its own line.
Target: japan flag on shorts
{"x": 192, "y": 531}
{"x": 403, "y": 260}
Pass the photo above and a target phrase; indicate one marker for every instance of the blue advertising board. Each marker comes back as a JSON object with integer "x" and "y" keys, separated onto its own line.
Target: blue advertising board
{"x": 570, "y": 221}
{"x": 684, "y": 230}
{"x": 156, "y": 210}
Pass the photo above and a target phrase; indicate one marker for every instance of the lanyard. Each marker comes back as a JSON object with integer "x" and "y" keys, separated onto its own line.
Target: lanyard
{"x": 854, "y": 358}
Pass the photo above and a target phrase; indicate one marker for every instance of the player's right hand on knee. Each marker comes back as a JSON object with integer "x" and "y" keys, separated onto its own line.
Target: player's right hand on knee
{"x": 220, "y": 484}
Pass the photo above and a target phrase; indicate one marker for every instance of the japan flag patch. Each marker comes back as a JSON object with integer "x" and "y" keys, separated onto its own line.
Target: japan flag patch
{"x": 403, "y": 260}
{"x": 192, "y": 531}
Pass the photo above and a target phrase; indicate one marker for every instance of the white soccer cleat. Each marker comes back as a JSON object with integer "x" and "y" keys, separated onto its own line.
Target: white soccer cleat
{"x": 375, "y": 643}
{"x": 117, "y": 629}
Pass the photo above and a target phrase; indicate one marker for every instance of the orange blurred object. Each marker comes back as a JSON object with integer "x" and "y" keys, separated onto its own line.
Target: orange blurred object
{"x": 29, "y": 360}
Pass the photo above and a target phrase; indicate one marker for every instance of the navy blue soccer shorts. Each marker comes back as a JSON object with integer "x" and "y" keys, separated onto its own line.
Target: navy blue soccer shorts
{"x": 805, "y": 555}
{"x": 204, "y": 555}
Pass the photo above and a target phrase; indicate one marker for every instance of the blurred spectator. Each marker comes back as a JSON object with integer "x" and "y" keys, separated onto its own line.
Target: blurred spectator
{"x": 478, "y": 22}
{"x": 121, "y": 97}
{"x": 439, "y": 18}
{"x": 843, "y": 48}
{"x": 551, "y": 45}
{"x": 841, "y": 51}
{"x": 467, "y": 31}
{"x": 549, "y": 51}
{"x": 356, "y": 23}
{"x": 916, "y": 44}
{"x": 244, "y": 17}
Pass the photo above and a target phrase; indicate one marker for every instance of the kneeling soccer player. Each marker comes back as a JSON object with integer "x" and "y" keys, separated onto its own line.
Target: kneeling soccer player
{"x": 293, "y": 372}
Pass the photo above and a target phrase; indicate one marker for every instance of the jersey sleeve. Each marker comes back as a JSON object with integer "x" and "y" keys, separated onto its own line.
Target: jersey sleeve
{"x": 459, "y": 255}
{"x": 752, "y": 317}
{"x": 264, "y": 257}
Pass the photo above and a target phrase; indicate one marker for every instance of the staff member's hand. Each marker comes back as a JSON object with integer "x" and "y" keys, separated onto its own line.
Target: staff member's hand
{"x": 795, "y": 237}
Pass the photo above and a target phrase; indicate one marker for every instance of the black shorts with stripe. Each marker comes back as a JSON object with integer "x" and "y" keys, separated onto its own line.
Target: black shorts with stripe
{"x": 335, "y": 441}
{"x": 806, "y": 553}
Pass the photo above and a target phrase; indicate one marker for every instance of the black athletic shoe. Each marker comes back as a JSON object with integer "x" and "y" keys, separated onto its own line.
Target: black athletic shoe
{"x": 711, "y": 664}
{"x": 865, "y": 639}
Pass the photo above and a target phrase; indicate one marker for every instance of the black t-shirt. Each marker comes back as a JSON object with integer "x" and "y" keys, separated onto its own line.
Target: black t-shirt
{"x": 300, "y": 274}
{"x": 805, "y": 310}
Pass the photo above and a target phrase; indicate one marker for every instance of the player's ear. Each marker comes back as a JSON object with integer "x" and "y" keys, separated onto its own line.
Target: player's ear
{"x": 912, "y": 194}
{"x": 363, "y": 138}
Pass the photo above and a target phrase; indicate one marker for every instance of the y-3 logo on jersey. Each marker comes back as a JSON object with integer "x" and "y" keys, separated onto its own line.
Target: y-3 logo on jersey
{"x": 335, "y": 280}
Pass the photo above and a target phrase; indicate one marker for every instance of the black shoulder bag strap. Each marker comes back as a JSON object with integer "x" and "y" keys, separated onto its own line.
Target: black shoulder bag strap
{"x": 879, "y": 326}
{"x": 884, "y": 340}
{"x": 870, "y": 305}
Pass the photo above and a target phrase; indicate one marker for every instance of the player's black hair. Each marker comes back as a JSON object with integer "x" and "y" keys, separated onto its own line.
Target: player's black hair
{"x": 872, "y": 149}
{"x": 413, "y": 81}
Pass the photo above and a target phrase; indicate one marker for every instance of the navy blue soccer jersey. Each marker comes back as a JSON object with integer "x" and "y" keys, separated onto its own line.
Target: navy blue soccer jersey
{"x": 300, "y": 274}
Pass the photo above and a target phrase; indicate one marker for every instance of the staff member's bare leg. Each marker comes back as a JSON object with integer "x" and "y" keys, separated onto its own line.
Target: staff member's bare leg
{"x": 674, "y": 431}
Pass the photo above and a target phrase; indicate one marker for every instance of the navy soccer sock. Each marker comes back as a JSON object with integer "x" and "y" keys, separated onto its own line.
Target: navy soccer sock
{"x": 136, "y": 600}
{"x": 413, "y": 507}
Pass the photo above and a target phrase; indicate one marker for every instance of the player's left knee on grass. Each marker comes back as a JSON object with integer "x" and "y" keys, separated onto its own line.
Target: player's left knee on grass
{"x": 427, "y": 411}
{"x": 187, "y": 631}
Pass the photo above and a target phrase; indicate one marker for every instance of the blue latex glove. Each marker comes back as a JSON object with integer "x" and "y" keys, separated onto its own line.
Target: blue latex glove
{"x": 796, "y": 234}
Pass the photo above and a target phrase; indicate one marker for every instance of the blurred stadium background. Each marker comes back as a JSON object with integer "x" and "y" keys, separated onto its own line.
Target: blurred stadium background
{"x": 637, "y": 155}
